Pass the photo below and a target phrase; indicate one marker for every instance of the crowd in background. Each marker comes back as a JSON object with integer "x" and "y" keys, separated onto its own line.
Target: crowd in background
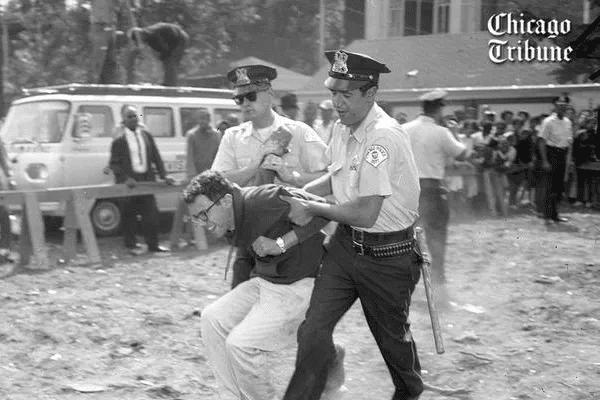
{"x": 503, "y": 172}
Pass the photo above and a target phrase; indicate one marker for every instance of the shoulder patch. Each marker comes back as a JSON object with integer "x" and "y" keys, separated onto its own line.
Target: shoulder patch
{"x": 376, "y": 154}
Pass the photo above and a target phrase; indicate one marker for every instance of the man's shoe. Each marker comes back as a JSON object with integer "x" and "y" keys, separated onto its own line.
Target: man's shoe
{"x": 135, "y": 246}
{"x": 561, "y": 219}
{"x": 158, "y": 249}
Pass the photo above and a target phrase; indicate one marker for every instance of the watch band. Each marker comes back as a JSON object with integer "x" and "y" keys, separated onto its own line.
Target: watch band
{"x": 281, "y": 243}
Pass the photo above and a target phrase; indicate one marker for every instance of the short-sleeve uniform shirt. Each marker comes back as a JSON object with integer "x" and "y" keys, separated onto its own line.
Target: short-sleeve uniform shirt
{"x": 376, "y": 160}
{"x": 557, "y": 132}
{"x": 432, "y": 146}
{"x": 241, "y": 143}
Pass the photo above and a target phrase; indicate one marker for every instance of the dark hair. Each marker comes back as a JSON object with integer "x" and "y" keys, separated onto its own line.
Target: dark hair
{"x": 363, "y": 89}
{"x": 431, "y": 107}
{"x": 518, "y": 121}
{"x": 210, "y": 184}
{"x": 505, "y": 113}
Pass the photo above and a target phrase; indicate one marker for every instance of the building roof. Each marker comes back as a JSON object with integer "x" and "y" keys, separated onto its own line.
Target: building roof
{"x": 287, "y": 80}
{"x": 449, "y": 60}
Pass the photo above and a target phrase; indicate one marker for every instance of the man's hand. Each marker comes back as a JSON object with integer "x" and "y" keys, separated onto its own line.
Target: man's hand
{"x": 12, "y": 184}
{"x": 273, "y": 162}
{"x": 130, "y": 182}
{"x": 299, "y": 212}
{"x": 263, "y": 246}
{"x": 169, "y": 180}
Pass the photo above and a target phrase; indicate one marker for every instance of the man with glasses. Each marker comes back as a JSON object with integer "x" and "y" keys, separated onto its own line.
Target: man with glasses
{"x": 373, "y": 255}
{"x": 247, "y": 150}
{"x": 263, "y": 313}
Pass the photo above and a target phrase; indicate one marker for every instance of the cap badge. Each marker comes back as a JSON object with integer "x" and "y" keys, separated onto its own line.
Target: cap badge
{"x": 242, "y": 76}
{"x": 339, "y": 62}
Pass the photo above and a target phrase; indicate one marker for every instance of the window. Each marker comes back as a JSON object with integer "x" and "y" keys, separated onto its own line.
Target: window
{"x": 418, "y": 17}
{"x": 93, "y": 121}
{"x": 222, "y": 113}
{"x": 443, "y": 16}
{"x": 36, "y": 122}
{"x": 159, "y": 121}
{"x": 187, "y": 118}
{"x": 396, "y": 10}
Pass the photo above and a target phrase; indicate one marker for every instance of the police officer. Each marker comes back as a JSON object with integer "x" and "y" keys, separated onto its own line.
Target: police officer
{"x": 432, "y": 145}
{"x": 554, "y": 140}
{"x": 372, "y": 255}
{"x": 247, "y": 151}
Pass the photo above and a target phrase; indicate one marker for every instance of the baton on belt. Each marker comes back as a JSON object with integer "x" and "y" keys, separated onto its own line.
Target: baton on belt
{"x": 426, "y": 268}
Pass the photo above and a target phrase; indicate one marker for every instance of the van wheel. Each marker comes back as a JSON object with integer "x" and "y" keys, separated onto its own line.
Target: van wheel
{"x": 106, "y": 218}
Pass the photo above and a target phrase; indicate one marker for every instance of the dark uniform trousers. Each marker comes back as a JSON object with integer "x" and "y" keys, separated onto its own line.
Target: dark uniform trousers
{"x": 146, "y": 207}
{"x": 434, "y": 214}
{"x": 384, "y": 287}
{"x": 557, "y": 158}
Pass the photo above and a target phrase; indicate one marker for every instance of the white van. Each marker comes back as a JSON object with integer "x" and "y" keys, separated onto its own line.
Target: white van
{"x": 60, "y": 136}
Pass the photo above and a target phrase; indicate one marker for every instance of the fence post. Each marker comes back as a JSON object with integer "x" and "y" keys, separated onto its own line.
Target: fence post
{"x": 32, "y": 239}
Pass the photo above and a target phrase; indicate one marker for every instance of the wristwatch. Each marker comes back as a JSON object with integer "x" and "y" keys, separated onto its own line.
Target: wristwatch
{"x": 281, "y": 243}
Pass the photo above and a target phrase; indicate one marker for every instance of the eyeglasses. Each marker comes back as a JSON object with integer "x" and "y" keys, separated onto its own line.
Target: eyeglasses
{"x": 251, "y": 96}
{"x": 201, "y": 218}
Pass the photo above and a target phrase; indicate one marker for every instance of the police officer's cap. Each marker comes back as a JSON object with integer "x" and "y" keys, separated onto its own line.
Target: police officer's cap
{"x": 562, "y": 99}
{"x": 248, "y": 78}
{"x": 437, "y": 95}
{"x": 351, "y": 71}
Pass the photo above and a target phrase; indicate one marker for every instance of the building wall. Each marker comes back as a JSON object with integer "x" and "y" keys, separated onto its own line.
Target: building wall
{"x": 464, "y": 15}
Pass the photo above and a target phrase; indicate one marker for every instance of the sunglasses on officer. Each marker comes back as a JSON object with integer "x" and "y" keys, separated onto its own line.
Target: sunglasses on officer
{"x": 251, "y": 96}
{"x": 201, "y": 217}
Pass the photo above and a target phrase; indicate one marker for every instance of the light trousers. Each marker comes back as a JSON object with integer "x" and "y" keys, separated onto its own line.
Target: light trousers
{"x": 245, "y": 324}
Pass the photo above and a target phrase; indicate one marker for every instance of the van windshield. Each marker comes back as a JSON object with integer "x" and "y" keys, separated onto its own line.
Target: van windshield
{"x": 35, "y": 122}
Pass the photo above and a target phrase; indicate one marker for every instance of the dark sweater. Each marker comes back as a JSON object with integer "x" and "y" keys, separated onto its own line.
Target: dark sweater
{"x": 258, "y": 211}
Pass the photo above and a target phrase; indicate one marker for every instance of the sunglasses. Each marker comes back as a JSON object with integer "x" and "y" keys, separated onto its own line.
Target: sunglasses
{"x": 201, "y": 218}
{"x": 251, "y": 96}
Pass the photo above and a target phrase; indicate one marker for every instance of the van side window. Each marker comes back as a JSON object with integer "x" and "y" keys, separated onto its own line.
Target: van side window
{"x": 98, "y": 119}
{"x": 159, "y": 121}
{"x": 221, "y": 114}
{"x": 188, "y": 121}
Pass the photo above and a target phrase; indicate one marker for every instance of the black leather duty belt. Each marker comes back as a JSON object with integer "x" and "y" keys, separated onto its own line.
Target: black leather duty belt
{"x": 382, "y": 244}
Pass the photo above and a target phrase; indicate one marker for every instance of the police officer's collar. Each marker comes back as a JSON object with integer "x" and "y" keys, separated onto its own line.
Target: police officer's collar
{"x": 278, "y": 120}
{"x": 367, "y": 123}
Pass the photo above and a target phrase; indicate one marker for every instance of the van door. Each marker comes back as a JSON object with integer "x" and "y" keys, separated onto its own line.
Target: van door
{"x": 160, "y": 122}
{"x": 89, "y": 152}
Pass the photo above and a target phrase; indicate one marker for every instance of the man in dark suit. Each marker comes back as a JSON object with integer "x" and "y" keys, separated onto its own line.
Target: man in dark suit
{"x": 132, "y": 154}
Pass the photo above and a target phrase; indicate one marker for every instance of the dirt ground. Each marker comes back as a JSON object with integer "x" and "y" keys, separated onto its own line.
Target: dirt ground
{"x": 523, "y": 322}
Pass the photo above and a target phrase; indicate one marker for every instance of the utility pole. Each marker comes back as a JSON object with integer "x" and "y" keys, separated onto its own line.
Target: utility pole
{"x": 321, "y": 50}
{"x": 3, "y": 60}
{"x": 586, "y": 11}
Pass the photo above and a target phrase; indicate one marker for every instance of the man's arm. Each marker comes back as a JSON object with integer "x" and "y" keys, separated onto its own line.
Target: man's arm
{"x": 190, "y": 156}
{"x": 265, "y": 246}
{"x": 320, "y": 186}
{"x": 362, "y": 212}
{"x": 117, "y": 160}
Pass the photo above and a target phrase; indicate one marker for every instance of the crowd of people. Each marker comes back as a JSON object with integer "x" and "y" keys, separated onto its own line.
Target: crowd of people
{"x": 505, "y": 163}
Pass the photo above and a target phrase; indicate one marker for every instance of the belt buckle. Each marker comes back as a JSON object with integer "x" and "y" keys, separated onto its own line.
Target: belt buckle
{"x": 358, "y": 238}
